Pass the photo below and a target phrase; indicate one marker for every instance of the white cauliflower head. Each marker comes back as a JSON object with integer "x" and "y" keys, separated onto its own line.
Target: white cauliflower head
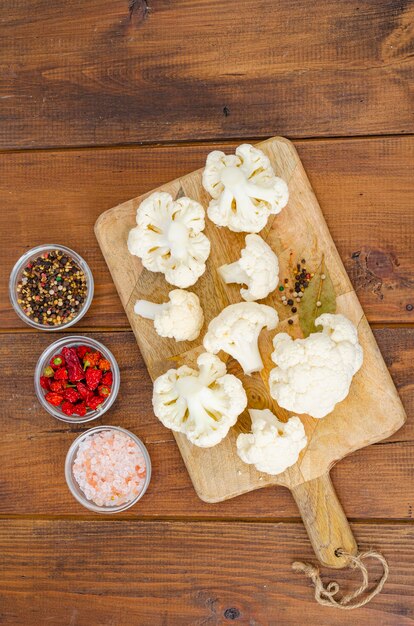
{"x": 168, "y": 238}
{"x": 315, "y": 373}
{"x": 244, "y": 189}
{"x": 181, "y": 318}
{"x": 236, "y": 331}
{"x": 272, "y": 446}
{"x": 257, "y": 268}
{"x": 201, "y": 404}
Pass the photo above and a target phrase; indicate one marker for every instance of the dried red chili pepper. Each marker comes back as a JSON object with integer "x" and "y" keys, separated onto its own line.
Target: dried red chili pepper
{"x": 93, "y": 377}
{"x": 83, "y": 390}
{"x": 61, "y": 374}
{"x": 91, "y": 359}
{"x": 104, "y": 365}
{"x": 73, "y": 364}
{"x": 89, "y": 397}
{"x": 107, "y": 379}
{"x": 48, "y": 371}
{"x": 68, "y": 408}
{"x": 81, "y": 351}
{"x": 95, "y": 402}
{"x": 104, "y": 391}
{"x": 80, "y": 409}
{"x": 54, "y": 398}
{"x": 72, "y": 395}
{"x": 44, "y": 382}
{"x": 56, "y": 386}
{"x": 57, "y": 361}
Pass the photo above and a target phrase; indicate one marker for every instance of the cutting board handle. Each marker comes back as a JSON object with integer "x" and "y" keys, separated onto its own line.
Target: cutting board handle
{"x": 325, "y": 521}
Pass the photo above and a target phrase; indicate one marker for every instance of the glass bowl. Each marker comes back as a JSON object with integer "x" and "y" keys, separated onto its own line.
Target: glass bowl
{"x": 55, "y": 348}
{"x": 77, "y": 491}
{"x": 17, "y": 273}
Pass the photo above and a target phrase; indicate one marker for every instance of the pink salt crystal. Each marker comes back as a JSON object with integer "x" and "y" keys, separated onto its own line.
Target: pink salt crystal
{"x": 109, "y": 468}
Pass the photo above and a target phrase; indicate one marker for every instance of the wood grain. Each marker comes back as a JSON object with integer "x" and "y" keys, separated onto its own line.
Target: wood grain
{"x": 186, "y": 574}
{"x": 97, "y": 73}
{"x": 371, "y": 411}
{"x": 67, "y": 191}
{"x": 325, "y": 521}
{"x": 34, "y": 446}
{"x": 88, "y": 73}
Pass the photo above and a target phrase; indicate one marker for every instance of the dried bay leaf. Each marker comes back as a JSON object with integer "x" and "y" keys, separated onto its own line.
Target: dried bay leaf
{"x": 318, "y": 290}
{"x": 180, "y": 194}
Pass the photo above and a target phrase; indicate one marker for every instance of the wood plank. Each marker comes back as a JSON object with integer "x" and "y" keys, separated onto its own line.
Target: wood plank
{"x": 368, "y": 207}
{"x": 364, "y": 188}
{"x": 34, "y": 482}
{"x": 97, "y": 73}
{"x": 170, "y": 573}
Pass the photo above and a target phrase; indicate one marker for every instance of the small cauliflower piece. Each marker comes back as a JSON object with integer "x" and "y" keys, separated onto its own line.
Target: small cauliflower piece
{"x": 314, "y": 374}
{"x": 236, "y": 331}
{"x": 273, "y": 446}
{"x": 181, "y": 318}
{"x": 244, "y": 189}
{"x": 258, "y": 268}
{"x": 168, "y": 238}
{"x": 201, "y": 404}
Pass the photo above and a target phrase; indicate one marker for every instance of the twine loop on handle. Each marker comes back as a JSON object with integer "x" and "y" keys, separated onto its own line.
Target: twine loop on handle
{"x": 325, "y": 595}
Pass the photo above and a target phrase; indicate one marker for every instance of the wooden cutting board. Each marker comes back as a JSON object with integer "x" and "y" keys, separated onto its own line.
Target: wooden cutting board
{"x": 371, "y": 412}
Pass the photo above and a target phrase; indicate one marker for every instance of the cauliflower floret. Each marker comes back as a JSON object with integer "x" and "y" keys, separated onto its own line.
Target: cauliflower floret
{"x": 258, "y": 268}
{"x": 203, "y": 405}
{"x": 315, "y": 373}
{"x": 273, "y": 446}
{"x": 181, "y": 318}
{"x": 168, "y": 238}
{"x": 244, "y": 189}
{"x": 236, "y": 331}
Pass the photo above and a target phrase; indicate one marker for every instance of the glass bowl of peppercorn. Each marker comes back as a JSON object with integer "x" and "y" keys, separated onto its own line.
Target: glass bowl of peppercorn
{"x": 77, "y": 379}
{"x": 51, "y": 287}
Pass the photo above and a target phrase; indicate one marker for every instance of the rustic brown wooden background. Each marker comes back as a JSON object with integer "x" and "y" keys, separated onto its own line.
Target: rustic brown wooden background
{"x": 101, "y": 101}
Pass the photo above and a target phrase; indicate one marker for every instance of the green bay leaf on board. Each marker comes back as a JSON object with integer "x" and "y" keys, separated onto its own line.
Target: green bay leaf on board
{"x": 318, "y": 290}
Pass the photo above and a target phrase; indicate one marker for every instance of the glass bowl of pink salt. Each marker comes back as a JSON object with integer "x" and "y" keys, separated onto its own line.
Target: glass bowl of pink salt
{"x": 107, "y": 469}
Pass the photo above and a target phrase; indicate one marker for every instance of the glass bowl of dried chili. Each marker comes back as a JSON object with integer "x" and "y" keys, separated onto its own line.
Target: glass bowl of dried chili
{"x": 51, "y": 287}
{"x": 77, "y": 379}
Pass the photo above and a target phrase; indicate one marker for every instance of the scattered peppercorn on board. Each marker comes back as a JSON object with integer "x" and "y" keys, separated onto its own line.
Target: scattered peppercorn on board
{"x": 371, "y": 412}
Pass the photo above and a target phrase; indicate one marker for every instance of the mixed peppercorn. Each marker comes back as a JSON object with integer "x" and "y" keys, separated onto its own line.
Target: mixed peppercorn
{"x": 52, "y": 289}
{"x": 77, "y": 380}
{"x": 302, "y": 278}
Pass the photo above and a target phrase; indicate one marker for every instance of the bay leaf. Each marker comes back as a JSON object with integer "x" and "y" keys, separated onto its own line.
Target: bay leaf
{"x": 319, "y": 290}
{"x": 180, "y": 194}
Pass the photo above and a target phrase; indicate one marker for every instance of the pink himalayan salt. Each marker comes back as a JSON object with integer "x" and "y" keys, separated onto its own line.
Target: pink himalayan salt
{"x": 109, "y": 468}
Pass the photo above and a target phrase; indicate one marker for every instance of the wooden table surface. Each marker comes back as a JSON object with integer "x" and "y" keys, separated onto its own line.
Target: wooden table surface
{"x": 100, "y": 102}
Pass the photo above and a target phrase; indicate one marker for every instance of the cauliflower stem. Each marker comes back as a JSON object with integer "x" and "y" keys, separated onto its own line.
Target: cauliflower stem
{"x": 149, "y": 310}
{"x": 204, "y": 407}
{"x": 247, "y": 353}
{"x": 233, "y": 273}
{"x": 236, "y": 331}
